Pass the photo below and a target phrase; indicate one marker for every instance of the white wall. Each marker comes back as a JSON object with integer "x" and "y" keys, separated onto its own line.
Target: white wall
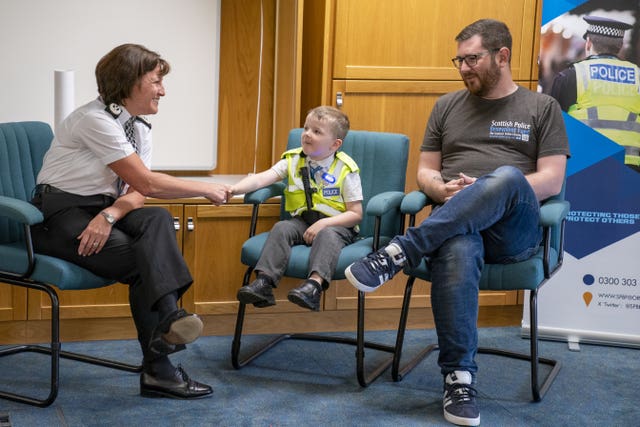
{"x": 40, "y": 36}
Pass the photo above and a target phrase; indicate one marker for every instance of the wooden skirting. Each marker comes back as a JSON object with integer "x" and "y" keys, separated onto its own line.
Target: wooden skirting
{"x": 37, "y": 331}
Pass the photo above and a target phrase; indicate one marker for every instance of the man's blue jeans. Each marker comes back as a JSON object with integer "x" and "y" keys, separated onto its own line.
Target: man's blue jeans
{"x": 496, "y": 219}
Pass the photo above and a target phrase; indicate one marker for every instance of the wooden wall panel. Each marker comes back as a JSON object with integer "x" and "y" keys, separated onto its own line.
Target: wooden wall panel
{"x": 246, "y": 85}
{"x": 414, "y": 39}
{"x": 13, "y": 302}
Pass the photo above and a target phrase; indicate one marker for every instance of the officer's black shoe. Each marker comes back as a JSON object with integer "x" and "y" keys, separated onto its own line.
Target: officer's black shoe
{"x": 259, "y": 292}
{"x": 307, "y": 295}
{"x": 179, "y": 386}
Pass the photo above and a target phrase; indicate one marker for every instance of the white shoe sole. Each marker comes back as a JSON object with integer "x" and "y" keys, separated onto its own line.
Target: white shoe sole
{"x": 461, "y": 421}
{"x": 356, "y": 284}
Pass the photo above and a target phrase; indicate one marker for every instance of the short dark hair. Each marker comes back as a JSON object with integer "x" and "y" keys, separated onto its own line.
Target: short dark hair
{"x": 495, "y": 34}
{"x": 337, "y": 119}
{"x": 121, "y": 69}
{"x": 606, "y": 45}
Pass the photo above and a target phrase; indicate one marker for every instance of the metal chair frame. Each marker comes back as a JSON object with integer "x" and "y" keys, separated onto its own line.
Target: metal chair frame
{"x": 364, "y": 378}
{"x": 538, "y": 388}
{"x": 380, "y": 203}
{"x": 24, "y": 215}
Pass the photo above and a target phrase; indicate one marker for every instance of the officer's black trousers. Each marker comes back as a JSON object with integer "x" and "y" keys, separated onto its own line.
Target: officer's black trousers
{"x": 141, "y": 251}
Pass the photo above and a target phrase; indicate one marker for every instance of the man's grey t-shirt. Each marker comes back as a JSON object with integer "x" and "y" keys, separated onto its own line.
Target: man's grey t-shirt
{"x": 477, "y": 135}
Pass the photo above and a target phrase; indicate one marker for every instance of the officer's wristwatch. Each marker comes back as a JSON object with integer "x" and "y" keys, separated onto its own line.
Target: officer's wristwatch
{"x": 110, "y": 218}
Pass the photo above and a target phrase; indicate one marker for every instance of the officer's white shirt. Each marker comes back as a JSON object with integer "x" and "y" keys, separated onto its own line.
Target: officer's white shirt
{"x": 352, "y": 187}
{"x": 87, "y": 141}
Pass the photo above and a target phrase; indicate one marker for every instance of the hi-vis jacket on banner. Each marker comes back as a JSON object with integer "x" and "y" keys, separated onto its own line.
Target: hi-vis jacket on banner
{"x": 602, "y": 90}
{"x": 326, "y": 195}
{"x": 608, "y": 100}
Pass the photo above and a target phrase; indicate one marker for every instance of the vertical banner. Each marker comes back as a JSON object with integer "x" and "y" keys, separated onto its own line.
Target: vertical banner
{"x": 589, "y": 62}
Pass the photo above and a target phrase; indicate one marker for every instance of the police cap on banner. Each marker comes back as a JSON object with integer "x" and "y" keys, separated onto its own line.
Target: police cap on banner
{"x": 605, "y": 27}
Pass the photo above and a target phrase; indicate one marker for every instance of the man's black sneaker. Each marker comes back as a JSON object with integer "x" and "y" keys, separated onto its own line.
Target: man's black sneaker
{"x": 459, "y": 402}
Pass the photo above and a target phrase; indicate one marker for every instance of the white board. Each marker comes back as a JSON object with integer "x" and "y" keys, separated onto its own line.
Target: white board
{"x": 41, "y": 36}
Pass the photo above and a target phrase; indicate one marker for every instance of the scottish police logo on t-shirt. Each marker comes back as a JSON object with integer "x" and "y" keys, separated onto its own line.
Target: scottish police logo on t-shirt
{"x": 330, "y": 191}
{"x": 509, "y": 129}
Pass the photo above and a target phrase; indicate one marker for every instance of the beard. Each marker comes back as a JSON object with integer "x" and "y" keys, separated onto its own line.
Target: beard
{"x": 484, "y": 82}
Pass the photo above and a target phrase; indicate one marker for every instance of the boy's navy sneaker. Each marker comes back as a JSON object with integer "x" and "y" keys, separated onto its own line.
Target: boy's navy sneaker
{"x": 369, "y": 273}
{"x": 459, "y": 402}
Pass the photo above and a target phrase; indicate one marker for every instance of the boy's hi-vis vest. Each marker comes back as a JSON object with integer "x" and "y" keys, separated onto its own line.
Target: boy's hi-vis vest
{"x": 608, "y": 100}
{"x": 328, "y": 197}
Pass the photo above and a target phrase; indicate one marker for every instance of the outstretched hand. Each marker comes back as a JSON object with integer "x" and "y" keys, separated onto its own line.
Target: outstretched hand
{"x": 218, "y": 194}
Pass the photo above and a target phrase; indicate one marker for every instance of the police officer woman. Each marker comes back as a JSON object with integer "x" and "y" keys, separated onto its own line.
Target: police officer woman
{"x": 92, "y": 189}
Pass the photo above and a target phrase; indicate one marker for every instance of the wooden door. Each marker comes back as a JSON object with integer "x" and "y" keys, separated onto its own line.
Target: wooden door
{"x": 414, "y": 39}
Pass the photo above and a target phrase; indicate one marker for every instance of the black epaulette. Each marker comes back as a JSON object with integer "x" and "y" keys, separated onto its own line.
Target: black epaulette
{"x": 114, "y": 109}
{"x": 144, "y": 120}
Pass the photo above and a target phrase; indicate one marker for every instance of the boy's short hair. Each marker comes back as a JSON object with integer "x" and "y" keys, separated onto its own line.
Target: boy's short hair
{"x": 337, "y": 119}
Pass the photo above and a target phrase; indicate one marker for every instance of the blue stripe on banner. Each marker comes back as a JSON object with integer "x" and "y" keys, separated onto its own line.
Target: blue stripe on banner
{"x": 588, "y": 146}
{"x": 551, "y": 9}
{"x": 603, "y": 210}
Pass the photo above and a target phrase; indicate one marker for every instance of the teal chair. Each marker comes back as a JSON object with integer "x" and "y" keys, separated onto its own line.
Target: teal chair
{"x": 22, "y": 148}
{"x": 382, "y": 158}
{"x": 527, "y": 275}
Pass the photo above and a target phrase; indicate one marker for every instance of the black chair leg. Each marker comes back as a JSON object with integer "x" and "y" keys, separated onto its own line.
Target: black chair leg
{"x": 397, "y": 372}
{"x": 537, "y": 391}
{"x": 238, "y": 362}
{"x": 364, "y": 378}
{"x": 55, "y": 351}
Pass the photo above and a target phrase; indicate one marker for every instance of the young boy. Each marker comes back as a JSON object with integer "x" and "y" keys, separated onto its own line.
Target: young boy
{"x": 323, "y": 196}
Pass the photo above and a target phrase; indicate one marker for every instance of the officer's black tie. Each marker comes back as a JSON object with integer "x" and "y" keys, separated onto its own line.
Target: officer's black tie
{"x": 129, "y": 132}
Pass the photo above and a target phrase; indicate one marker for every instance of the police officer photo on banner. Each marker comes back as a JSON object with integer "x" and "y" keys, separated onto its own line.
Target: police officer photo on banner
{"x": 589, "y": 56}
{"x": 600, "y": 84}
{"x": 603, "y": 90}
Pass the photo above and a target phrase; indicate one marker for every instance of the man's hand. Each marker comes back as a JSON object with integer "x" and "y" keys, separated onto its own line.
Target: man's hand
{"x": 452, "y": 187}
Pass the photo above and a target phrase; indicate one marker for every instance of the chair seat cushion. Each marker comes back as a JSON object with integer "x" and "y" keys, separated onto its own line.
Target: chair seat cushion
{"x": 527, "y": 274}
{"x": 64, "y": 275}
{"x": 299, "y": 260}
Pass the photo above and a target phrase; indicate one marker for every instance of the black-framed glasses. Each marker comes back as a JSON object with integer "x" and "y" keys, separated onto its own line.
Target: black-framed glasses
{"x": 471, "y": 60}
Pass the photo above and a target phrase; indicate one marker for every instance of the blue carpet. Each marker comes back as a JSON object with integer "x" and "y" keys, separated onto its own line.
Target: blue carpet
{"x": 303, "y": 383}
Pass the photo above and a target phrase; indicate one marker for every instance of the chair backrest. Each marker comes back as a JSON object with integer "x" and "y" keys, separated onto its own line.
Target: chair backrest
{"x": 22, "y": 148}
{"x": 382, "y": 158}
